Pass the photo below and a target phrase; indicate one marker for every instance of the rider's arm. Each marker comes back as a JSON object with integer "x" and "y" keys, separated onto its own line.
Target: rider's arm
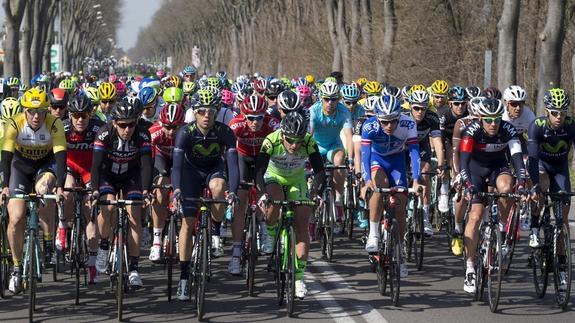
{"x": 260, "y": 169}
{"x": 59, "y": 148}
{"x": 348, "y": 135}
{"x": 456, "y": 140}
{"x": 60, "y": 158}
{"x": 533, "y": 149}
{"x": 437, "y": 143}
{"x": 465, "y": 149}
{"x": 146, "y": 163}
{"x": 178, "y": 160}
{"x": 415, "y": 160}
{"x": 233, "y": 169}
{"x": 10, "y": 134}
{"x": 366, "y": 158}
{"x": 318, "y": 172}
{"x": 97, "y": 159}
{"x": 517, "y": 158}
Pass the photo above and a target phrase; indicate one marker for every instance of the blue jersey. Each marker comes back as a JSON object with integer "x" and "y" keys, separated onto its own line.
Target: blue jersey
{"x": 326, "y": 128}
{"x": 377, "y": 145}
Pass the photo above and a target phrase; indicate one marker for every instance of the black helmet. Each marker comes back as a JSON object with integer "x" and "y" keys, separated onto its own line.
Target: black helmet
{"x": 135, "y": 102}
{"x": 127, "y": 109}
{"x": 473, "y": 91}
{"x": 274, "y": 88}
{"x": 80, "y": 103}
{"x": 492, "y": 93}
{"x": 288, "y": 101}
{"x": 293, "y": 125}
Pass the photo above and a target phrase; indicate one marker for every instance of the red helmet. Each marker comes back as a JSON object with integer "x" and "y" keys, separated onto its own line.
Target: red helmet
{"x": 59, "y": 96}
{"x": 254, "y": 104}
{"x": 172, "y": 114}
{"x": 260, "y": 85}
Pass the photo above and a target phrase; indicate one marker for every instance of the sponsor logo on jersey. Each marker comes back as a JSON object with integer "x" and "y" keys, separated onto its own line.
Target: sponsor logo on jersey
{"x": 202, "y": 151}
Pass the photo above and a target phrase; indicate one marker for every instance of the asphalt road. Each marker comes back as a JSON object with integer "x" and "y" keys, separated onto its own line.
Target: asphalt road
{"x": 342, "y": 291}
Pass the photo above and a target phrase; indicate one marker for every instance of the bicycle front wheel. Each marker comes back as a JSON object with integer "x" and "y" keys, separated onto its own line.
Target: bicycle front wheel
{"x": 203, "y": 274}
{"x": 329, "y": 223}
{"x": 419, "y": 238}
{"x": 290, "y": 270}
{"x": 32, "y": 255}
{"x": 170, "y": 254}
{"x": 4, "y": 261}
{"x": 494, "y": 265}
{"x": 540, "y": 265}
{"x": 562, "y": 266}
{"x": 511, "y": 236}
{"x": 120, "y": 274}
{"x": 252, "y": 252}
{"x": 395, "y": 260}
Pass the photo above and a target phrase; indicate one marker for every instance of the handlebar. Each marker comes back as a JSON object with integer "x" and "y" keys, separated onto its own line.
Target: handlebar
{"x": 121, "y": 202}
{"x": 205, "y": 200}
{"x": 292, "y": 203}
{"x": 34, "y": 196}
{"x": 80, "y": 190}
{"x": 162, "y": 187}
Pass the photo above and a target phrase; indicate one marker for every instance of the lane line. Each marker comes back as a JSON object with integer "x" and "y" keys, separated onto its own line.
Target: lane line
{"x": 327, "y": 301}
{"x": 330, "y": 276}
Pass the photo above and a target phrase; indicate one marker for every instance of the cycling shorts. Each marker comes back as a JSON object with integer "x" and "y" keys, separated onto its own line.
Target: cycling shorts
{"x": 162, "y": 166}
{"x": 23, "y": 178}
{"x": 296, "y": 187}
{"x": 394, "y": 166}
{"x": 328, "y": 152}
{"x": 558, "y": 178}
{"x": 130, "y": 185}
{"x": 194, "y": 180}
{"x": 482, "y": 176}
{"x": 247, "y": 168}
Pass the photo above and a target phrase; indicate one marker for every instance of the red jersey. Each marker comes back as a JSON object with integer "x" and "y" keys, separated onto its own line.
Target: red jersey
{"x": 80, "y": 147}
{"x": 160, "y": 142}
{"x": 249, "y": 142}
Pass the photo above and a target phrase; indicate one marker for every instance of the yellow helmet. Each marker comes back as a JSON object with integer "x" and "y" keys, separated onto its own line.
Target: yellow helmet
{"x": 440, "y": 87}
{"x": 372, "y": 88}
{"x": 310, "y": 79}
{"x": 361, "y": 81}
{"x": 93, "y": 94}
{"x": 107, "y": 91}
{"x": 34, "y": 99}
{"x": 416, "y": 87}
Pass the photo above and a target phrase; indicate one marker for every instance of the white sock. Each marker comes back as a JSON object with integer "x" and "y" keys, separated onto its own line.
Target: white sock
{"x": 374, "y": 229}
{"x": 157, "y": 236}
{"x": 459, "y": 227}
{"x": 444, "y": 189}
{"x": 470, "y": 268}
{"x": 237, "y": 249}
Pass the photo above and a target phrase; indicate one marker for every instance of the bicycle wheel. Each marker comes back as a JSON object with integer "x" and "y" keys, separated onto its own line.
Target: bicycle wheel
{"x": 418, "y": 238}
{"x": 540, "y": 266}
{"x": 76, "y": 258}
{"x": 278, "y": 274}
{"x": 4, "y": 262}
{"x": 382, "y": 267}
{"x": 494, "y": 271}
{"x": 291, "y": 258}
{"x": 170, "y": 254}
{"x": 32, "y": 257}
{"x": 252, "y": 252}
{"x": 512, "y": 229}
{"x": 395, "y": 261}
{"x": 480, "y": 271}
{"x": 203, "y": 274}
{"x": 329, "y": 225}
{"x": 562, "y": 265}
{"x": 120, "y": 273}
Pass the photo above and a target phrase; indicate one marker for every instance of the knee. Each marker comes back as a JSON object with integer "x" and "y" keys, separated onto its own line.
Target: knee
{"x": 217, "y": 186}
{"x": 339, "y": 158}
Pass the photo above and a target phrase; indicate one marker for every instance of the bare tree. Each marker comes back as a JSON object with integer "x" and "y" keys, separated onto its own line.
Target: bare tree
{"x": 13, "y": 12}
{"x": 551, "y": 47}
{"x": 25, "y": 62}
{"x": 336, "y": 64}
{"x": 390, "y": 24}
{"x": 507, "y": 45}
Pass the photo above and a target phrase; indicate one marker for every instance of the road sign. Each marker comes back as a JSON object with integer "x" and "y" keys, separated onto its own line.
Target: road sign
{"x": 55, "y": 58}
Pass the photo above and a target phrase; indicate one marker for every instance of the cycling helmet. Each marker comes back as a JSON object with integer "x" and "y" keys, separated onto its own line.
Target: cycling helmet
{"x": 489, "y": 107}
{"x": 227, "y": 97}
{"x": 440, "y": 87}
{"x": 253, "y": 105}
{"x": 23, "y": 87}
{"x": 286, "y": 83}
{"x": 274, "y": 88}
{"x": 9, "y": 108}
{"x": 213, "y": 81}
{"x": 126, "y": 109}
{"x": 370, "y": 104}
{"x": 241, "y": 95}
{"x": 457, "y": 94}
{"x": 107, "y": 91}
{"x": 237, "y": 87}
{"x": 148, "y": 95}
{"x": 173, "y": 81}
{"x": 172, "y": 114}
{"x": 310, "y": 79}
{"x": 288, "y": 101}
{"x": 417, "y": 87}
{"x": 59, "y": 97}
{"x": 206, "y": 97}
{"x": 391, "y": 91}
{"x": 13, "y": 81}
{"x": 112, "y": 78}
{"x": 329, "y": 90}
{"x": 472, "y": 91}
{"x": 189, "y": 87}
{"x": 34, "y": 99}
{"x": 474, "y": 104}
{"x": 93, "y": 94}
{"x": 67, "y": 85}
{"x": 514, "y": 93}
{"x": 189, "y": 70}
{"x": 372, "y": 88}
{"x": 173, "y": 95}
{"x": 304, "y": 91}
{"x": 556, "y": 99}
{"x": 349, "y": 93}
{"x": 361, "y": 81}
{"x": 389, "y": 108}
{"x": 80, "y": 103}
{"x": 120, "y": 89}
{"x": 492, "y": 93}
{"x": 260, "y": 85}
{"x": 419, "y": 98}
{"x": 293, "y": 125}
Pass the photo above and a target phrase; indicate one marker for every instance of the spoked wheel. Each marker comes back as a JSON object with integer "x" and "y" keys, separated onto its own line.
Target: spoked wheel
{"x": 494, "y": 268}
{"x": 540, "y": 264}
{"x": 349, "y": 214}
{"x": 278, "y": 274}
{"x": 4, "y": 262}
{"x": 32, "y": 278}
{"x": 395, "y": 261}
{"x": 328, "y": 225}
{"x": 252, "y": 253}
{"x": 418, "y": 238}
{"x": 382, "y": 270}
{"x": 203, "y": 274}
{"x": 119, "y": 251}
{"x": 562, "y": 266}
{"x": 480, "y": 271}
{"x": 170, "y": 254}
{"x": 511, "y": 237}
{"x": 290, "y": 270}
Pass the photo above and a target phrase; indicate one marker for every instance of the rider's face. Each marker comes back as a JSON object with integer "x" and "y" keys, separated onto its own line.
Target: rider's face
{"x": 491, "y": 125}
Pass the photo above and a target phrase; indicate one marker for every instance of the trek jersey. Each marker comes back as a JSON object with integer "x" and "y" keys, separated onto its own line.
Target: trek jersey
{"x": 250, "y": 142}
{"x": 326, "y": 128}
{"x": 81, "y": 147}
{"x": 375, "y": 143}
{"x": 489, "y": 151}
{"x": 161, "y": 144}
{"x": 549, "y": 145}
{"x": 447, "y": 121}
{"x": 428, "y": 127}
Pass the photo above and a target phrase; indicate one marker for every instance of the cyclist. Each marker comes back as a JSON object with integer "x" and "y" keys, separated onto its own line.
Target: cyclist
{"x": 163, "y": 134}
{"x": 197, "y": 162}
{"x": 33, "y": 159}
{"x": 149, "y": 98}
{"x": 482, "y": 159}
{"x": 58, "y": 101}
{"x": 107, "y": 92}
{"x": 329, "y": 118}
{"x": 438, "y": 92}
{"x": 384, "y": 139}
{"x": 250, "y": 128}
{"x": 428, "y": 135}
{"x": 289, "y": 101}
{"x": 81, "y": 129}
{"x": 189, "y": 73}
{"x": 281, "y": 162}
{"x": 350, "y": 96}
{"x": 122, "y": 162}
{"x": 13, "y": 83}
{"x": 272, "y": 91}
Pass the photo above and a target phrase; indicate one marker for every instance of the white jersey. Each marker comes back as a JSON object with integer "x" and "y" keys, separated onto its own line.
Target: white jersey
{"x": 522, "y": 123}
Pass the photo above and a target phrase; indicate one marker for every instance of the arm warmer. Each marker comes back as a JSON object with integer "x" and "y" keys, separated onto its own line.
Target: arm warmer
{"x": 415, "y": 161}
{"x": 60, "y": 158}
{"x": 233, "y": 169}
{"x": 261, "y": 166}
{"x": 97, "y": 159}
{"x": 146, "y": 171}
{"x": 178, "y": 159}
{"x": 6, "y": 167}
{"x": 366, "y": 159}
{"x": 318, "y": 173}
{"x": 533, "y": 149}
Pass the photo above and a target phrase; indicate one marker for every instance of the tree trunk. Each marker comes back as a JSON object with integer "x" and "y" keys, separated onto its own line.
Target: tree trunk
{"x": 13, "y": 14}
{"x": 551, "y": 46}
{"x": 46, "y": 64}
{"x": 343, "y": 39}
{"x": 366, "y": 50}
{"x": 354, "y": 36}
{"x": 507, "y": 46}
{"x": 25, "y": 63}
{"x": 336, "y": 64}
{"x": 384, "y": 63}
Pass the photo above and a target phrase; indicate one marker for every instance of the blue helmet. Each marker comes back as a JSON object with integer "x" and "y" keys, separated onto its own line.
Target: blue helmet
{"x": 189, "y": 70}
{"x": 238, "y": 87}
{"x": 457, "y": 94}
{"x": 349, "y": 93}
{"x": 389, "y": 108}
{"x": 147, "y": 95}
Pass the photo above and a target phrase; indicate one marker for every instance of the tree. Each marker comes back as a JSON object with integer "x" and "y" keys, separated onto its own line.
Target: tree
{"x": 13, "y": 12}
{"x": 389, "y": 21}
{"x": 507, "y": 45}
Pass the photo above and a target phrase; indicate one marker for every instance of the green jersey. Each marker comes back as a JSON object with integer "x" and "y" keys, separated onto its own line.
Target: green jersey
{"x": 282, "y": 163}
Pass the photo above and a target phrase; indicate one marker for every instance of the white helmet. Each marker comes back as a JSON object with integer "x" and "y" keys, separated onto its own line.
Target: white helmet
{"x": 514, "y": 93}
{"x": 474, "y": 105}
{"x": 329, "y": 90}
{"x": 419, "y": 97}
{"x": 489, "y": 107}
{"x": 370, "y": 103}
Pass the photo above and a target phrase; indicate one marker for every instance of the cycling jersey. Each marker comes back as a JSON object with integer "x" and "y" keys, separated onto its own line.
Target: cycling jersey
{"x": 249, "y": 142}
{"x": 326, "y": 128}
{"x": 273, "y": 111}
{"x": 447, "y": 121}
{"x": 161, "y": 143}
{"x": 521, "y": 124}
{"x": 427, "y": 128}
{"x": 377, "y": 146}
{"x": 456, "y": 140}
{"x": 357, "y": 114}
{"x": 81, "y": 147}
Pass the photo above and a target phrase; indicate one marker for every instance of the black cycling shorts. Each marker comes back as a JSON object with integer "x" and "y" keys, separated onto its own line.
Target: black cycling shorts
{"x": 194, "y": 180}
{"x": 23, "y": 177}
{"x": 482, "y": 176}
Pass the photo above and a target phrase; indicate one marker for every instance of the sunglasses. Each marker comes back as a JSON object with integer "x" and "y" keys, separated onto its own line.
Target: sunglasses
{"x": 126, "y": 125}
{"x": 107, "y": 101}
{"x": 293, "y": 140}
{"x": 58, "y": 107}
{"x": 516, "y": 104}
{"x": 205, "y": 111}
{"x": 557, "y": 113}
{"x": 36, "y": 111}
{"x": 330, "y": 99}
{"x": 259, "y": 117}
{"x": 189, "y": 75}
{"x": 458, "y": 103}
{"x": 388, "y": 122}
{"x": 350, "y": 102}
{"x": 272, "y": 98}
{"x": 439, "y": 96}
{"x": 491, "y": 120}
{"x": 80, "y": 115}
{"x": 418, "y": 109}
{"x": 170, "y": 126}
